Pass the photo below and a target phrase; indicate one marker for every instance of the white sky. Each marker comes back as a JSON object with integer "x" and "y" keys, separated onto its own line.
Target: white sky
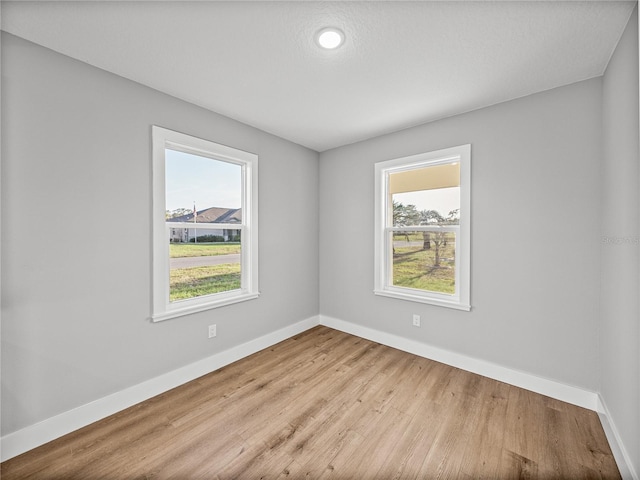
{"x": 207, "y": 182}
{"x": 443, "y": 200}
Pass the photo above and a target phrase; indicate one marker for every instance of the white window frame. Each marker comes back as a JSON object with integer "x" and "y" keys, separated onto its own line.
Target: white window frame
{"x": 163, "y": 309}
{"x": 384, "y": 229}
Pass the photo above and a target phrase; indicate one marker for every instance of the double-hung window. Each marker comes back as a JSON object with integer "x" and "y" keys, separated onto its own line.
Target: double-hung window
{"x": 205, "y": 250}
{"x": 422, "y": 223}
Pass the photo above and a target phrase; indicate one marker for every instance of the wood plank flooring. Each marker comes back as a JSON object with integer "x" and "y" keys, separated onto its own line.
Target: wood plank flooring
{"x": 328, "y": 405}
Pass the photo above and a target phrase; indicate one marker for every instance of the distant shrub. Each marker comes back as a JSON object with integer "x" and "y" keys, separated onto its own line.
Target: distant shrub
{"x": 215, "y": 239}
{"x": 209, "y": 238}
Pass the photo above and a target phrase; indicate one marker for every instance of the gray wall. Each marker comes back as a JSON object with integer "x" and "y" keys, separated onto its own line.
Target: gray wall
{"x": 535, "y": 165}
{"x": 620, "y": 307}
{"x": 76, "y": 235}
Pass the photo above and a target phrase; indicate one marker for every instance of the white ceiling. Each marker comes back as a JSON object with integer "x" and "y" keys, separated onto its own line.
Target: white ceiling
{"x": 403, "y": 63}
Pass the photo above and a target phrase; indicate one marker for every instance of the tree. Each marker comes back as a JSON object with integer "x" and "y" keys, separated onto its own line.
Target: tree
{"x": 178, "y": 212}
{"x": 454, "y": 217}
{"x": 439, "y": 239}
{"x": 408, "y": 215}
{"x": 405, "y": 216}
{"x": 428, "y": 217}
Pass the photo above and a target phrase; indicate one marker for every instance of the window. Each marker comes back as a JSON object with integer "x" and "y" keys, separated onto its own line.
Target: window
{"x": 205, "y": 232}
{"x": 422, "y": 238}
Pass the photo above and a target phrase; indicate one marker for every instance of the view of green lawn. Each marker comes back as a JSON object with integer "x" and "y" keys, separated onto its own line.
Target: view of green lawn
{"x": 414, "y": 267}
{"x": 180, "y": 250}
{"x": 193, "y": 282}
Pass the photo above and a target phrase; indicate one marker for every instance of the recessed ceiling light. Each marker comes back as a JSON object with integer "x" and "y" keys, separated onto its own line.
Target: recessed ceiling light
{"x": 330, "y": 38}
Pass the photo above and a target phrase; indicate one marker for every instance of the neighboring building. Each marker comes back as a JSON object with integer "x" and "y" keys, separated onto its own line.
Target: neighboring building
{"x": 209, "y": 215}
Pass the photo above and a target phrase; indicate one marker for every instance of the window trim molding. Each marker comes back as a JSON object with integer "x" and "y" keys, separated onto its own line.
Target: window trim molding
{"x": 162, "y": 308}
{"x": 382, "y": 261}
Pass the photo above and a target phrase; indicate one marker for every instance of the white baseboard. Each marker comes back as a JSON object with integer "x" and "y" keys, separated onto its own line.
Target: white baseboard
{"x": 550, "y": 388}
{"x": 615, "y": 442}
{"x": 33, "y": 436}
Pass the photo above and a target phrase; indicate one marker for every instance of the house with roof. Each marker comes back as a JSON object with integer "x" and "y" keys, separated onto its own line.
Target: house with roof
{"x": 179, "y": 234}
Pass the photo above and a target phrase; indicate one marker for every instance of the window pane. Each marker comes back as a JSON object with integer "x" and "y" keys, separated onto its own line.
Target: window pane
{"x": 208, "y": 264}
{"x": 201, "y": 189}
{"x": 424, "y": 261}
{"x": 426, "y": 195}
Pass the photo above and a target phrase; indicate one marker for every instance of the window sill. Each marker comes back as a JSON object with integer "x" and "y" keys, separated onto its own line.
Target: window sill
{"x": 453, "y": 303}
{"x": 177, "y": 310}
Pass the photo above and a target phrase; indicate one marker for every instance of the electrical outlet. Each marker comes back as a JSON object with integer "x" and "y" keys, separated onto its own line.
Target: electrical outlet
{"x": 416, "y": 320}
{"x": 212, "y": 331}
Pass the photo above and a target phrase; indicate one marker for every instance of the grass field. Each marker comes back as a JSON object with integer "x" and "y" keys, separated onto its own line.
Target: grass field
{"x": 197, "y": 281}
{"x": 193, "y": 282}
{"x": 179, "y": 250}
{"x": 414, "y": 267}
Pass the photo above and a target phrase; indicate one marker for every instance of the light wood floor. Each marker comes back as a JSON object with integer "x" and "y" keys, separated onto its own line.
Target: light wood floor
{"x": 326, "y": 404}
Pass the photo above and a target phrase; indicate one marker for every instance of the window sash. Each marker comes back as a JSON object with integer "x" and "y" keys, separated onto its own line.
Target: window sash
{"x": 244, "y": 254}
{"x": 388, "y": 256}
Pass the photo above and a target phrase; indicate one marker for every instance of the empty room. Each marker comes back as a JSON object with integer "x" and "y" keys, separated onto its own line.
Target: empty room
{"x": 348, "y": 240}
